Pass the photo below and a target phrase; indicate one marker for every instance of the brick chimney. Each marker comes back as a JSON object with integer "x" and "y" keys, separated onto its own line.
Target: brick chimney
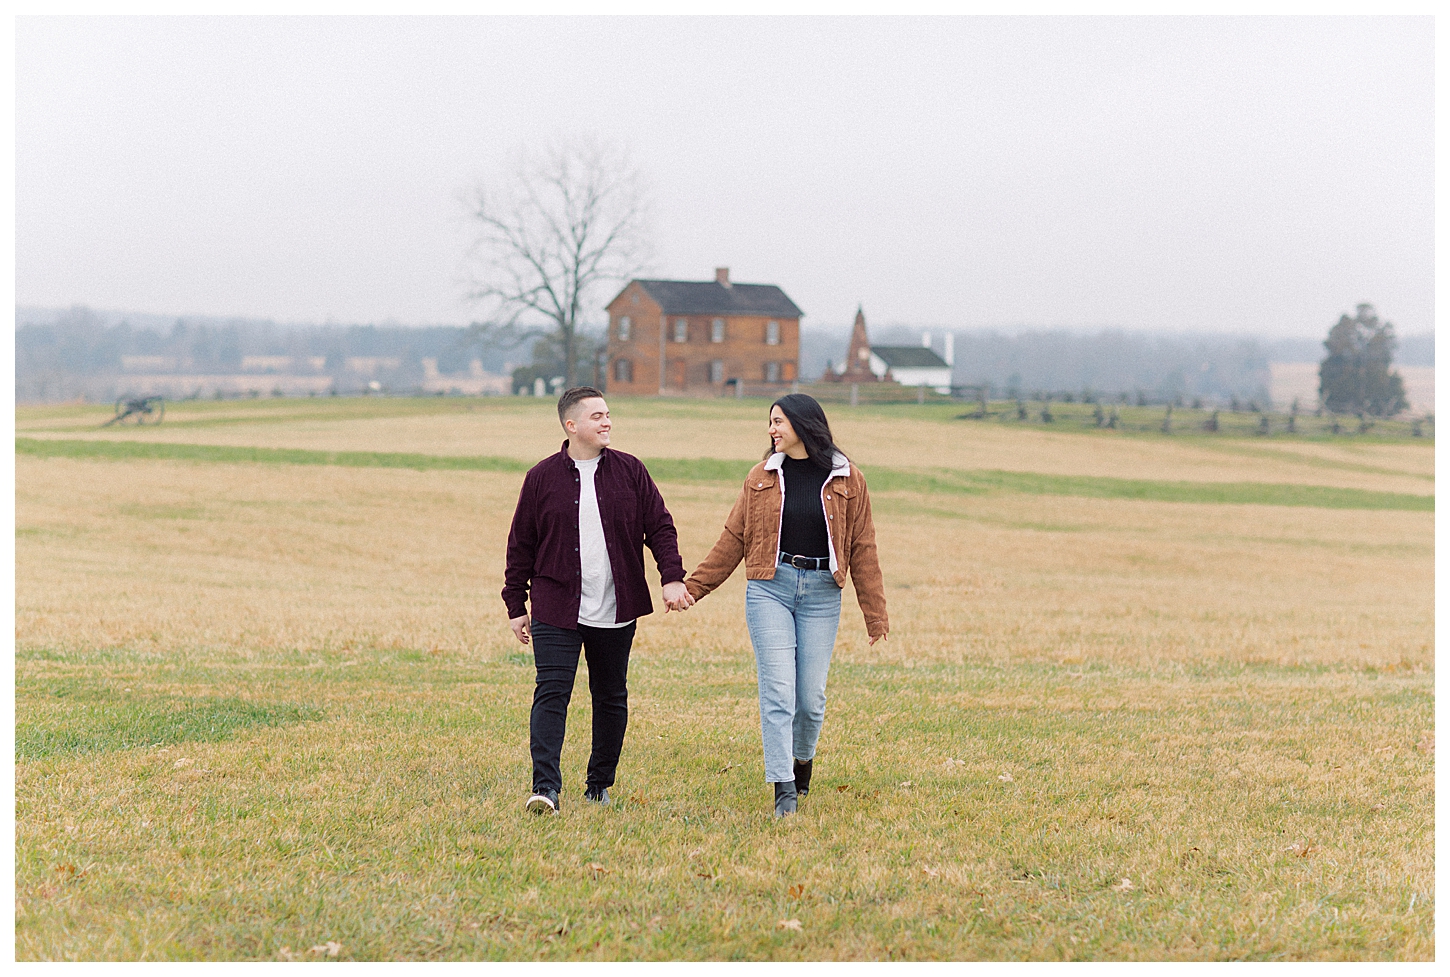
{"x": 722, "y": 275}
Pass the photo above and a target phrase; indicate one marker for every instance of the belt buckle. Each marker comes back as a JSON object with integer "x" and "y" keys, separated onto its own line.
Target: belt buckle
{"x": 803, "y": 562}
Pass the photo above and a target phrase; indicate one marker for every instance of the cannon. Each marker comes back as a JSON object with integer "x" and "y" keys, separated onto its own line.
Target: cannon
{"x": 139, "y": 410}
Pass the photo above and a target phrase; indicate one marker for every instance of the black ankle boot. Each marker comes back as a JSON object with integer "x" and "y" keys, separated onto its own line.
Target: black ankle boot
{"x": 784, "y": 798}
{"x": 803, "y": 777}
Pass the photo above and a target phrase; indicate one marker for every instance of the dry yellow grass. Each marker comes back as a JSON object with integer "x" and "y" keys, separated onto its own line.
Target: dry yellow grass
{"x": 113, "y": 554}
{"x": 524, "y": 428}
{"x": 1230, "y": 706}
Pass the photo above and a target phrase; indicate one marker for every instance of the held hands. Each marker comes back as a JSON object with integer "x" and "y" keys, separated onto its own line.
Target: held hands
{"x": 520, "y": 627}
{"x": 676, "y": 597}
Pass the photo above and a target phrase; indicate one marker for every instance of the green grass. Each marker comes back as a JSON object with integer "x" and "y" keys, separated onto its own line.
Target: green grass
{"x": 72, "y": 716}
{"x": 944, "y": 481}
{"x": 1134, "y": 421}
{"x": 393, "y": 826}
{"x": 155, "y": 450}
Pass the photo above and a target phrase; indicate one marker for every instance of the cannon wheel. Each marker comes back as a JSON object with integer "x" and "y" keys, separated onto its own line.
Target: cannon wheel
{"x": 155, "y": 410}
{"x": 121, "y": 403}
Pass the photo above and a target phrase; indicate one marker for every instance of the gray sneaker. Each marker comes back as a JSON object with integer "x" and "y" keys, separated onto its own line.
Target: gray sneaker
{"x": 597, "y": 795}
{"x": 545, "y": 801}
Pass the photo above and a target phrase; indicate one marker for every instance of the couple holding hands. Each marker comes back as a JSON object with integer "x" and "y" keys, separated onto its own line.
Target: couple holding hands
{"x": 576, "y": 555}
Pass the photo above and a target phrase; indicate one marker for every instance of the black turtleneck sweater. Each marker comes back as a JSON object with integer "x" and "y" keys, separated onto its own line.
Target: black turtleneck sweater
{"x": 803, "y": 523}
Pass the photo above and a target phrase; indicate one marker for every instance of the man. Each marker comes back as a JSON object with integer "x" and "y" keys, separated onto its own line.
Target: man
{"x": 576, "y": 551}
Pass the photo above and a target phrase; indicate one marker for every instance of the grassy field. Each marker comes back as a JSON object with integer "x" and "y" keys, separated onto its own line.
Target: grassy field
{"x": 1145, "y": 697}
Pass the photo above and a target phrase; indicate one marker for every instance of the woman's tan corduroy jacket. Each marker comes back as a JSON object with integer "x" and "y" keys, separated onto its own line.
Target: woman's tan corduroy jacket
{"x": 752, "y": 533}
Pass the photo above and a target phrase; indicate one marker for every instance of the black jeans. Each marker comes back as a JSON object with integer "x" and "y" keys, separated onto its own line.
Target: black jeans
{"x": 556, "y": 661}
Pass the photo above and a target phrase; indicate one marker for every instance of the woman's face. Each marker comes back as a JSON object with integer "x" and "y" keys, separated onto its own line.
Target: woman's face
{"x": 782, "y": 435}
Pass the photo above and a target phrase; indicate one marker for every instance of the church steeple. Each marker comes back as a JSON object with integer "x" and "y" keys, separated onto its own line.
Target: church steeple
{"x": 858, "y": 357}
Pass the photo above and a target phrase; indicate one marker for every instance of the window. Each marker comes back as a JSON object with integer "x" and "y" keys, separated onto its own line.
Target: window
{"x": 717, "y": 331}
{"x": 624, "y": 371}
{"x": 772, "y": 373}
{"x": 682, "y": 330}
{"x": 772, "y": 333}
{"x": 624, "y": 329}
{"x": 717, "y": 371}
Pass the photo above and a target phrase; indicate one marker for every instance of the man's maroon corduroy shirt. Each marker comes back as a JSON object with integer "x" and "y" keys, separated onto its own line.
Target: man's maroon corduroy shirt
{"x": 543, "y": 548}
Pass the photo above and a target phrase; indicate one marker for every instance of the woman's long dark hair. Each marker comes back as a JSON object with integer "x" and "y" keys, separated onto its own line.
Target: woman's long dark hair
{"x": 810, "y": 425}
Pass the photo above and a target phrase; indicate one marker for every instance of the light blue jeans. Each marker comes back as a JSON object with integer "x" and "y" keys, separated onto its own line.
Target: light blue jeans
{"x": 793, "y": 621}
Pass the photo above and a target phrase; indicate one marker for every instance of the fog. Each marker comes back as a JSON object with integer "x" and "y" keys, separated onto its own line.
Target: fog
{"x": 1248, "y": 176}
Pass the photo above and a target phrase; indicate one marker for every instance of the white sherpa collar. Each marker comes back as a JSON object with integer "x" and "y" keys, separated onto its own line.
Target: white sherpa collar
{"x": 841, "y": 466}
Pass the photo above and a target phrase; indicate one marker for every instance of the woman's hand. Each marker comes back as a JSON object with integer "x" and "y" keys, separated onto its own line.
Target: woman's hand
{"x": 874, "y": 638}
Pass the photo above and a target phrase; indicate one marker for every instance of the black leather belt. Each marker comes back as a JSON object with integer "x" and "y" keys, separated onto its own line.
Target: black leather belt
{"x": 806, "y": 562}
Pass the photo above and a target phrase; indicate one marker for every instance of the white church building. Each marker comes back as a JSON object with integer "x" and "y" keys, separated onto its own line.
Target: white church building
{"x": 915, "y": 366}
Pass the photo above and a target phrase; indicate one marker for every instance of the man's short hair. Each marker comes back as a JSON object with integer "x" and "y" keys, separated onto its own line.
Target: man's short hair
{"x": 571, "y": 397}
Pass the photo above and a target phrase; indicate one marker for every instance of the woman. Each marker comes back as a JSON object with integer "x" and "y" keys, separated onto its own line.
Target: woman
{"x": 801, "y": 523}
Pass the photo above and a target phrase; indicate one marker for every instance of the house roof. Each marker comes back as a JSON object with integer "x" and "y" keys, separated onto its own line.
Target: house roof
{"x": 908, "y": 356}
{"x": 712, "y": 298}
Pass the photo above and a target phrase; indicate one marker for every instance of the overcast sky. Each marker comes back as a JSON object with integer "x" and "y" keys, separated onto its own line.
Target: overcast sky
{"x": 1249, "y": 175}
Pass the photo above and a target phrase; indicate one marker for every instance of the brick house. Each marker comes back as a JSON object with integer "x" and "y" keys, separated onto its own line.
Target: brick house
{"x": 701, "y": 337}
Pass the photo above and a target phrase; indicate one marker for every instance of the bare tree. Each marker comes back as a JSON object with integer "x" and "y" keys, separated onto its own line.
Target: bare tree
{"x": 567, "y": 224}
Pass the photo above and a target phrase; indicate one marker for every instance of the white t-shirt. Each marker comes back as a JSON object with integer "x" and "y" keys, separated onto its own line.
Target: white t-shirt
{"x": 596, "y": 605}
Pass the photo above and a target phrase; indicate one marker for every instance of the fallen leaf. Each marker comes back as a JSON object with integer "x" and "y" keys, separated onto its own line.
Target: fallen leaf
{"x": 181, "y": 762}
{"x": 1378, "y": 807}
{"x": 639, "y": 798}
{"x": 729, "y": 766}
{"x": 931, "y": 873}
{"x": 67, "y": 870}
{"x": 1302, "y": 849}
{"x": 1006, "y": 778}
{"x": 697, "y": 851}
{"x": 789, "y": 924}
{"x": 905, "y": 783}
{"x": 1124, "y": 886}
{"x": 596, "y": 870}
{"x": 707, "y": 876}
{"x": 842, "y": 788}
{"x": 796, "y": 891}
{"x": 332, "y": 948}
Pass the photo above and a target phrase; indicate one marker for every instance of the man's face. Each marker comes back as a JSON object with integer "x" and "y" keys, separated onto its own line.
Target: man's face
{"x": 588, "y": 423}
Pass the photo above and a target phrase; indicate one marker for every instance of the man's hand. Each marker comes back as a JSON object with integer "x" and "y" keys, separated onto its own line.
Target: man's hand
{"x": 676, "y": 597}
{"x": 520, "y": 626}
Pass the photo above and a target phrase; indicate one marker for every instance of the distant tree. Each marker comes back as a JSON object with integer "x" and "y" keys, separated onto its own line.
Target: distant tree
{"x": 567, "y": 224}
{"x": 1355, "y": 375}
